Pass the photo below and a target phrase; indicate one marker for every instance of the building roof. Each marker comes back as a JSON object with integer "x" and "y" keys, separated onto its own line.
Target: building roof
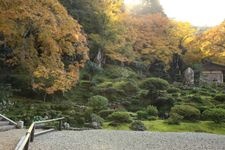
{"x": 209, "y": 66}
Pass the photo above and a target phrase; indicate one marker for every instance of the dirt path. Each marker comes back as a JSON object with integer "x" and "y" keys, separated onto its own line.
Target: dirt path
{"x": 9, "y": 139}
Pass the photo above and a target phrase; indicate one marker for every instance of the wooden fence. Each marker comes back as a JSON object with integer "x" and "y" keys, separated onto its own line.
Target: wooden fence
{"x": 30, "y": 134}
{"x": 9, "y": 120}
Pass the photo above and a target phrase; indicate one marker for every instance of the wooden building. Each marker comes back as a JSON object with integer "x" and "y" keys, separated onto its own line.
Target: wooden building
{"x": 212, "y": 73}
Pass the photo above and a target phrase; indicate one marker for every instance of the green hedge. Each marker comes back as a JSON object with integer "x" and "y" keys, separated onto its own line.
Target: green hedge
{"x": 120, "y": 117}
{"x": 188, "y": 112}
{"x": 216, "y": 114}
{"x": 220, "y": 97}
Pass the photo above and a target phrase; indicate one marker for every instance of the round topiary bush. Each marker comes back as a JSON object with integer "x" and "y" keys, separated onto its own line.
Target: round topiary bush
{"x": 216, "y": 114}
{"x": 174, "y": 118}
{"x": 105, "y": 113}
{"x": 142, "y": 115}
{"x": 152, "y": 110}
{"x": 95, "y": 118}
{"x": 98, "y": 103}
{"x": 155, "y": 84}
{"x": 197, "y": 99}
{"x": 129, "y": 87}
{"x": 188, "y": 112}
{"x": 137, "y": 126}
{"x": 120, "y": 117}
{"x": 220, "y": 97}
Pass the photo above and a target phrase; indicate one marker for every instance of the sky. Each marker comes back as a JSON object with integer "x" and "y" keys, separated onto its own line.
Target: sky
{"x": 197, "y": 12}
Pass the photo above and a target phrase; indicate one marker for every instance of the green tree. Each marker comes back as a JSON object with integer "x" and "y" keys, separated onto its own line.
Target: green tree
{"x": 101, "y": 21}
{"x": 98, "y": 103}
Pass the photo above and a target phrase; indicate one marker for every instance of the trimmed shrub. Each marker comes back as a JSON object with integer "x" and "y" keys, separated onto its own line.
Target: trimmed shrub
{"x": 205, "y": 93}
{"x": 221, "y": 106}
{"x": 142, "y": 115}
{"x": 152, "y": 110}
{"x": 175, "y": 94}
{"x": 151, "y": 118}
{"x": 76, "y": 120}
{"x": 129, "y": 87}
{"x": 115, "y": 71}
{"x": 197, "y": 98}
{"x": 105, "y": 113}
{"x": 220, "y": 97}
{"x": 155, "y": 84}
{"x": 216, "y": 114}
{"x": 6, "y": 93}
{"x": 63, "y": 106}
{"x": 96, "y": 118}
{"x": 137, "y": 126}
{"x": 163, "y": 104}
{"x": 202, "y": 108}
{"x": 188, "y": 112}
{"x": 98, "y": 103}
{"x": 174, "y": 118}
{"x": 120, "y": 117}
{"x": 87, "y": 114}
{"x": 173, "y": 90}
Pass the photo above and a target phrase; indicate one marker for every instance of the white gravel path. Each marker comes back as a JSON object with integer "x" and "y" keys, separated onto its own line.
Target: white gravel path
{"x": 9, "y": 139}
{"x": 127, "y": 140}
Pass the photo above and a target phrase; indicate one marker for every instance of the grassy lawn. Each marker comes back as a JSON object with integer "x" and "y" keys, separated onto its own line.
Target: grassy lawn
{"x": 161, "y": 126}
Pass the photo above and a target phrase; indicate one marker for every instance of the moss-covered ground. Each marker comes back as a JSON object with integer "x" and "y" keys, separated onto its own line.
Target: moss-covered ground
{"x": 162, "y": 126}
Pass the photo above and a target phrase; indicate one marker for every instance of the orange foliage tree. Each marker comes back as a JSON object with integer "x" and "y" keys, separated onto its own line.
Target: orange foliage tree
{"x": 45, "y": 41}
{"x": 150, "y": 37}
{"x": 207, "y": 44}
{"x": 212, "y": 43}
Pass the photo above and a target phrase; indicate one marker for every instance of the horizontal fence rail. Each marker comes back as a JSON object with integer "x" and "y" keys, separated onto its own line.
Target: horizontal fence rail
{"x": 4, "y": 117}
{"x": 30, "y": 134}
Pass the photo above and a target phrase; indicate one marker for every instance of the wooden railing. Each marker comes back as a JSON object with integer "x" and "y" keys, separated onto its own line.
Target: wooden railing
{"x": 12, "y": 122}
{"x": 30, "y": 134}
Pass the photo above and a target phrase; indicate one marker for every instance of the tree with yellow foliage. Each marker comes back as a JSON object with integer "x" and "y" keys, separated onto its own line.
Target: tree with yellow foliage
{"x": 212, "y": 43}
{"x": 207, "y": 44}
{"x": 151, "y": 37}
{"x": 44, "y": 41}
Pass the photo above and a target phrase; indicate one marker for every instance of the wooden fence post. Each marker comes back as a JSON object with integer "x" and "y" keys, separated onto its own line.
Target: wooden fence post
{"x": 32, "y": 135}
{"x": 60, "y": 125}
{"x": 27, "y": 145}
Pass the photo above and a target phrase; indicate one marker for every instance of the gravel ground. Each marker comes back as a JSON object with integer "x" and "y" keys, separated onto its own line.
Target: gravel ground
{"x": 127, "y": 140}
{"x": 9, "y": 139}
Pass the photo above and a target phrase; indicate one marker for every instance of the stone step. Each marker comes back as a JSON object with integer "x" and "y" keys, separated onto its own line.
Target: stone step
{"x": 6, "y": 128}
{"x": 3, "y": 123}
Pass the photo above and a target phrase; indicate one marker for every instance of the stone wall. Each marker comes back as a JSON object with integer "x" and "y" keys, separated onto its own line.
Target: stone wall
{"x": 211, "y": 76}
